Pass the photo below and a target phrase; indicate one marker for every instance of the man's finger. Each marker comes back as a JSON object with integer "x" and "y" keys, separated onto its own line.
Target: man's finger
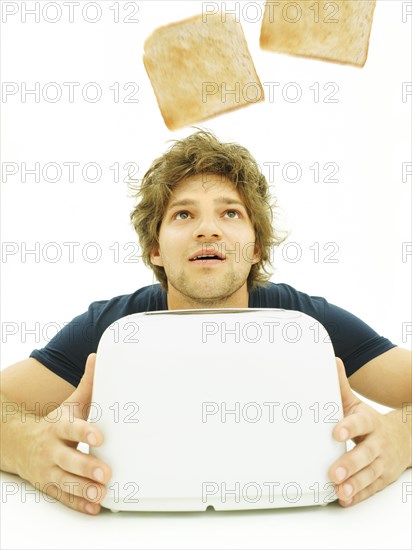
{"x": 71, "y": 501}
{"x": 72, "y": 428}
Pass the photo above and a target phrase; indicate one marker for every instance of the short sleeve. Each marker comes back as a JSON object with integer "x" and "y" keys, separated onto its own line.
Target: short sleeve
{"x": 354, "y": 341}
{"x": 67, "y": 352}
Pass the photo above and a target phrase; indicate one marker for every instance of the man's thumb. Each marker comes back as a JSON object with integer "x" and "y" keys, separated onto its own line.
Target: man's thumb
{"x": 82, "y": 395}
{"x": 349, "y": 399}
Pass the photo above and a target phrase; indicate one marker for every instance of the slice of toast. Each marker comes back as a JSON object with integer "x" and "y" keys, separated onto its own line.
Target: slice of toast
{"x": 200, "y": 67}
{"x": 335, "y": 31}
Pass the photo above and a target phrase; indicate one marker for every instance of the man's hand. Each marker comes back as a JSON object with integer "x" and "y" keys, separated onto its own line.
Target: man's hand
{"x": 382, "y": 450}
{"x": 54, "y": 465}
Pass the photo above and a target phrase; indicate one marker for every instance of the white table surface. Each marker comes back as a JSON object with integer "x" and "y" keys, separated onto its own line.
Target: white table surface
{"x": 383, "y": 521}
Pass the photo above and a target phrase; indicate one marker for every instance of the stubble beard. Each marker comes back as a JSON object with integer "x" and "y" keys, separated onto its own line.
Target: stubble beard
{"x": 204, "y": 291}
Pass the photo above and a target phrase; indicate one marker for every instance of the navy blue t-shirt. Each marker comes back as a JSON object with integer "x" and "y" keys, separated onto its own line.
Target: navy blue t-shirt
{"x": 353, "y": 340}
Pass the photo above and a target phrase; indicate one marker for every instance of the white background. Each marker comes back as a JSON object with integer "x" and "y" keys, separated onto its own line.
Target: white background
{"x": 367, "y": 134}
{"x": 380, "y": 522}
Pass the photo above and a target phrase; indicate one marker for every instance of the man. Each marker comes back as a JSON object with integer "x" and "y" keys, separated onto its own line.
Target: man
{"x": 205, "y": 225}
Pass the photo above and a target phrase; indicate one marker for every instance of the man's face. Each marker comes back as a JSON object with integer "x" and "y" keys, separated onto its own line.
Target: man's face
{"x": 206, "y": 211}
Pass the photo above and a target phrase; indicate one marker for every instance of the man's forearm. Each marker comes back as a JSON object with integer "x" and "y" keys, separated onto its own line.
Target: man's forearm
{"x": 16, "y": 432}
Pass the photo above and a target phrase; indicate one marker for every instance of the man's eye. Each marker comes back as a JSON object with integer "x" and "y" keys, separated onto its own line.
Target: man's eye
{"x": 235, "y": 211}
{"x": 181, "y": 212}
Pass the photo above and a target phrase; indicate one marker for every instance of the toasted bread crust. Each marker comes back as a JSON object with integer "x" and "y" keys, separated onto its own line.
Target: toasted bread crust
{"x": 199, "y": 69}
{"x": 337, "y": 31}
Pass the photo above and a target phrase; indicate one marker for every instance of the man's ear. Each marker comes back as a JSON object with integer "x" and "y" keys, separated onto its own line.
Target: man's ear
{"x": 156, "y": 257}
{"x": 256, "y": 254}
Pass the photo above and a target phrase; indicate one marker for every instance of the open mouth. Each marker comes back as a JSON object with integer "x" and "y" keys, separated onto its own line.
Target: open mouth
{"x": 208, "y": 259}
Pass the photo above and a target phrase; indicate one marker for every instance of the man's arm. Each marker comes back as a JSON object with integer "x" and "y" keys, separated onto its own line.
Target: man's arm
{"x": 40, "y": 448}
{"x": 386, "y": 379}
{"x": 33, "y": 384}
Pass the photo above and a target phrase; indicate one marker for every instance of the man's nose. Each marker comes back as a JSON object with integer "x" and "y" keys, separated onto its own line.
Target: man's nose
{"x": 206, "y": 227}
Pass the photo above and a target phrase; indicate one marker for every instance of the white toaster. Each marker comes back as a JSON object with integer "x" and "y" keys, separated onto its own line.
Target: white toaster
{"x": 225, "y": 408}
